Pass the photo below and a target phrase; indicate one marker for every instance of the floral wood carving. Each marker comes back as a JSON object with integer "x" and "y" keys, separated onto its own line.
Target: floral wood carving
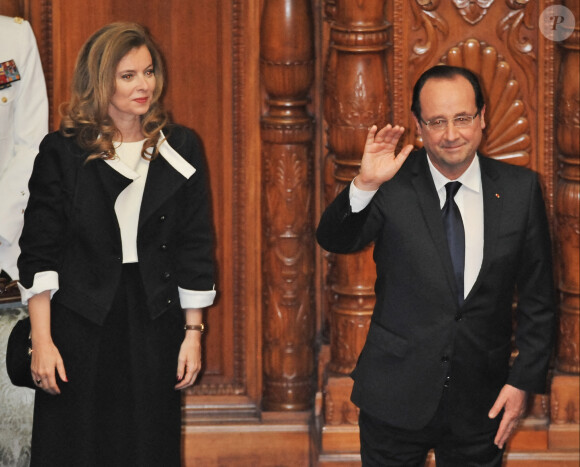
{"x": 519, "y": 25}
{"x": 507, "y": 136}
{"x": 427, "y": 17}
{"x": 472, "y": 11}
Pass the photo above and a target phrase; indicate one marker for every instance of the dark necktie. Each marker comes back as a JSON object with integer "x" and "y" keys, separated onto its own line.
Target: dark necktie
{"x": 455, "y": 235}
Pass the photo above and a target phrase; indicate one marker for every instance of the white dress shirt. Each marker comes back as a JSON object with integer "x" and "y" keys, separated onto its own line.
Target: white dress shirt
{"x": 469, "y": 200}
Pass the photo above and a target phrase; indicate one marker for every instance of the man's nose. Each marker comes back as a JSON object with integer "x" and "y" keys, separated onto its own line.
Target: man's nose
{"x": 451, "y": 132}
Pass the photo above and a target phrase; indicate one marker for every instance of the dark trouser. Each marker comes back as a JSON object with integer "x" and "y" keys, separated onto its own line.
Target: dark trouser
{"x": 383, "y": 445}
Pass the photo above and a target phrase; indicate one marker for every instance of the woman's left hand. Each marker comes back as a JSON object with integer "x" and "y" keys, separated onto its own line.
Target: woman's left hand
{"x": 189, "y": 360}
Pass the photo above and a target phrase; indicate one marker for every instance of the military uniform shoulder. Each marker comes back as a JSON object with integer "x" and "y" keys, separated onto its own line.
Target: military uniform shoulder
{"x": 12, "y": 22}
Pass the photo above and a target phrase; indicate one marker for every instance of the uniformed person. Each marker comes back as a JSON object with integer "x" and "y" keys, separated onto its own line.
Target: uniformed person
{"x": 23, "y": 124}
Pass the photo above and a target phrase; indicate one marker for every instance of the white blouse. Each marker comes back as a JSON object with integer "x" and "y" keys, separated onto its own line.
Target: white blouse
{"x": 127, "y": 206}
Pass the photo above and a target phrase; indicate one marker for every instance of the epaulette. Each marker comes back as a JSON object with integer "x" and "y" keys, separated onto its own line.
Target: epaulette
{"x": 18, "y": 20}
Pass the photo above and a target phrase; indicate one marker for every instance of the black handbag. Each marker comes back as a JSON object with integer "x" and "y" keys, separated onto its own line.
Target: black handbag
{"x": 19, "y": 354}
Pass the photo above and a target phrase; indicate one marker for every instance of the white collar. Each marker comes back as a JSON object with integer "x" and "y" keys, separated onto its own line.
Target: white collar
{"x": 166, "y": 151}
{"x": 471, "y": 178}
{"x": 174, "y": 158}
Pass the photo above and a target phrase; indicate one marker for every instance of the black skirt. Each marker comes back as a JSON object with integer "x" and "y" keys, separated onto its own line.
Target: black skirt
{"x": 119, "y": 407}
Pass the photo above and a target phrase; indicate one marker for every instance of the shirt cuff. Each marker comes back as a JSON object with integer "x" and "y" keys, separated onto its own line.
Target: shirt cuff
{"x": 43, "y": 281}
{"x": 359, "y": 199}
{"x": 196, "y": 298}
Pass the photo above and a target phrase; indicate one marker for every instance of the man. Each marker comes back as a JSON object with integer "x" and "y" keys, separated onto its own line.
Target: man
{"x": 23, "y": 124}
{"x": 434, "y": 371}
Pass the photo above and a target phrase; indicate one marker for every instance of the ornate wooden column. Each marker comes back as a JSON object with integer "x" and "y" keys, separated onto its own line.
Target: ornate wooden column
{"x": 356, "y": 96}
{"x": 565, "y": 410}
{"x": 287, "y": 65}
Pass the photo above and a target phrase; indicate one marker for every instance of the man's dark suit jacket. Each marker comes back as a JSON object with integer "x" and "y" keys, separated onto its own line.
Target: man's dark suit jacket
{"x": 70, "y": 226}
{"x": 420, "y": 340}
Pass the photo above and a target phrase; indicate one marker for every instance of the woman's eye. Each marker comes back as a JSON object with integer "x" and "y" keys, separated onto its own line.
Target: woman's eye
{"x": 126, "y": 76}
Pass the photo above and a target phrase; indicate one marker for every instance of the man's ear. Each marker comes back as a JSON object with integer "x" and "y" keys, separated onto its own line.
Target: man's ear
{"x": 417, "y": 124}
{"x": 482, "y": 116}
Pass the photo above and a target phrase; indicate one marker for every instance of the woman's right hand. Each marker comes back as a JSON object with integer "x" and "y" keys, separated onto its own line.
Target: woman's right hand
{"x": 46, "y": 359}
{"x": 46, "y": 362}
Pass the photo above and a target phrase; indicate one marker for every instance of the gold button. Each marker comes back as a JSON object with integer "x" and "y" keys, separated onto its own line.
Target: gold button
{"x": 4, "y": 100}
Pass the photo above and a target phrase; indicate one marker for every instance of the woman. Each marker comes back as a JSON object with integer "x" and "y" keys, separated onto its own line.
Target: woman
{"x": 117, "y": 241}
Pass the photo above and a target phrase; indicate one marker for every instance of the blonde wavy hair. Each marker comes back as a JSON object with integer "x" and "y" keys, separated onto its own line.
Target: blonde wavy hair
{"x": 85, "y": 117}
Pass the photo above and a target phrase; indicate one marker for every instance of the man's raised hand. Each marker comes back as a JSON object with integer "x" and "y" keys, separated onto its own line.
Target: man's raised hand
{"x": 379, "y": 163}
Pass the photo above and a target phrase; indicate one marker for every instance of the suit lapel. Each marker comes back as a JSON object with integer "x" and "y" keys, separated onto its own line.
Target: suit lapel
{"x": 112, "y": 181}
{"x": 429, "y": 202}
{"x": 167, "y": 173}
{"x": 162, "y": 182}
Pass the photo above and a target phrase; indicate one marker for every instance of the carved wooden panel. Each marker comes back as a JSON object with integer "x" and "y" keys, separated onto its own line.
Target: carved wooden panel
{"x": 508, "y": 137}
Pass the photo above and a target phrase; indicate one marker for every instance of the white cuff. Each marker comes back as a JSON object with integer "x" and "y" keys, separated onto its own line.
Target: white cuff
{"x": 195, "y": 298}
{"x": 43, "y": 281}
{"x": 359, "y": 199}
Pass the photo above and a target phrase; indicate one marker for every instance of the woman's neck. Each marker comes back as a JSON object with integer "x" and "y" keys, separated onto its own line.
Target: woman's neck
{"x": 129, "y": 130}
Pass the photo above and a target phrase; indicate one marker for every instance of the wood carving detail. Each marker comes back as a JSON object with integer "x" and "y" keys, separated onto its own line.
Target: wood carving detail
{"x": 426, "y": 17}
{"x": 565, "y": 400}
{"x": 519, "y": 26}
{"x": 472, "y": 11}
{"x": 339, "y": 410}
{"x": 508, "y": 134}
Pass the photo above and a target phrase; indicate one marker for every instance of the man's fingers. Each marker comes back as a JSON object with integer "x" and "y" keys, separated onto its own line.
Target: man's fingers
{"x": 371, "y": 134}
{"x": 497, "y": 406}
{"x": 402, "y": 156}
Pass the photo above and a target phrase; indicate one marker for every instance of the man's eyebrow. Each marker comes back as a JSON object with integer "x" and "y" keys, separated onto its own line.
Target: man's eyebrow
{"x": 439, "y": 117}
